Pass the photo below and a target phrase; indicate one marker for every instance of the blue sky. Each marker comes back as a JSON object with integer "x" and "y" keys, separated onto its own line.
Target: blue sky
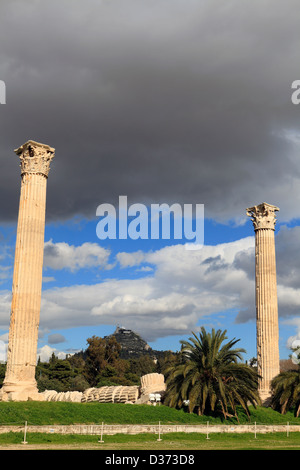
{"x": 164, "y": 101}
{"x": 62, "y": 275}
{"x": 79, "y": 232}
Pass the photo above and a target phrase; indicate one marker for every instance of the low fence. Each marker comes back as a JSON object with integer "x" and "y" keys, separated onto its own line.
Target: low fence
{"x": 160, "y": 428}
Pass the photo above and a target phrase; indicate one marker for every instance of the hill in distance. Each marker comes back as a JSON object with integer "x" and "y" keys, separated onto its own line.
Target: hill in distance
{"x": 132, "y": 345}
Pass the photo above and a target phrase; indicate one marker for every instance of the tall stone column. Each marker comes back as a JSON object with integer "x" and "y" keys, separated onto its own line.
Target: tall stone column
{"x": 19, "y": 383}
{"x": 264, "y": 219}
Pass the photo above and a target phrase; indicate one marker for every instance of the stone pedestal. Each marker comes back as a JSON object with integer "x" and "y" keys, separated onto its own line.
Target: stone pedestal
{"x": 19, "y": 383}
{"x": 263, "y": 218}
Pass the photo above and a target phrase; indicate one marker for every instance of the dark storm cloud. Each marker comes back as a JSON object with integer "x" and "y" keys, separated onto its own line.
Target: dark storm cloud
{"x": 56, "y": 338}
{"x": 245, "y": 260}
{"x": 215, "y": 263}
{"x": 161, "y": 100}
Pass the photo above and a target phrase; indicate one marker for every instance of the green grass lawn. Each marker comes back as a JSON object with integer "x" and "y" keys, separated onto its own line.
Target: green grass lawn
{"x": 51, "y": 413}
{"x": 40, "y": 413}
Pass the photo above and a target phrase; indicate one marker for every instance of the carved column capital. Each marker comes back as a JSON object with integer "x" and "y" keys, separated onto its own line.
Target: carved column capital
{"x": 35, "y": 157}
{"x": 263, "y": 216}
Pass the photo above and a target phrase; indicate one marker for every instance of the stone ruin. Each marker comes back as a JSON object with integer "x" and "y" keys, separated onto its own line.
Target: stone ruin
{"x": 150, "y": 384}
{"x": 53, "y": 395}
{"x": 112, "y": 394}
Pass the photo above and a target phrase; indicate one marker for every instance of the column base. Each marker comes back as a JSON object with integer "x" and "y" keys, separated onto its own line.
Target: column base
{"x": 20, "y": 392}
{"x": 265, "y": 396}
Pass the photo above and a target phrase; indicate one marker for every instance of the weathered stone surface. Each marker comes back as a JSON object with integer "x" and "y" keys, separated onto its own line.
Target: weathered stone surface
{"x": 150, "y": 383}
{"x": 19, "y": 383}
{"x": 112, "y": 394}
{"x": 35, "y": 158}
{"x": 112, "y": 429}
{"x": 263, "y": 218}
{"x": 52, "y": 395}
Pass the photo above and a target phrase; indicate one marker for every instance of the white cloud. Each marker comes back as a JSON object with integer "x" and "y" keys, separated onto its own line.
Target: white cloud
{"x": 5, "y": 308}
{"x": 145, "y": 269}
{"x": 48, "y": 279}
{"x": 61, "y": 255}
{"x": 130, "y": 259}
{"x": 45, "y": 352}
{"x": 184, "y": 287}
{"x": 3, "y": 351}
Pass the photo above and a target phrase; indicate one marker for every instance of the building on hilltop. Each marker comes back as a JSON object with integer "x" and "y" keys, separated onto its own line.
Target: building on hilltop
{"x": 132, "y": 345}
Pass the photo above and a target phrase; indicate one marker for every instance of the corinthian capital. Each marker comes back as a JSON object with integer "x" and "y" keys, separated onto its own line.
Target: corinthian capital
{"x": 263, "y": 216}
{"x": 35, "y": 157}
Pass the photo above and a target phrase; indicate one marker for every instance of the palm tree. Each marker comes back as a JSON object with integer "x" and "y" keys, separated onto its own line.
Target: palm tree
{"x": 208, "y": 374}
{"x": 286, "y": 391}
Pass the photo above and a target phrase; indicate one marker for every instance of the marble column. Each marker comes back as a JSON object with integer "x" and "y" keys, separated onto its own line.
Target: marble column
{"x": 264, "y": 220}
{"x": 19, "y": 383}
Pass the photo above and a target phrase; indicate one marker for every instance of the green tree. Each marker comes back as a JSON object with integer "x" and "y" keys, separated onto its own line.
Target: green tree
{"x": 142, "y": 365}
{"x": 2, "y": 373}
{"x": 57, "y": 374}
{"x": 286, "y": 391}
{"x": 209, "y": 374}
{"x": 167, "y": 360}
{"x": 101, "y": 353}
{"x": 77, "y": 361}
{"x": 79, "y": 383}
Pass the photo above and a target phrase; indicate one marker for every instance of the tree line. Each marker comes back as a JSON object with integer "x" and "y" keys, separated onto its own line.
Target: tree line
{"x": 101, "y": 364}
{"x": 208, "y": 375}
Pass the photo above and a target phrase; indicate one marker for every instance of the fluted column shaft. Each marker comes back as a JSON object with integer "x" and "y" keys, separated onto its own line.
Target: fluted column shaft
{"x": 263, "y": 218}
{"x": 27, "y": 283}
{"x": 19, "y": 383}
{"x": 266, "y": 310}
